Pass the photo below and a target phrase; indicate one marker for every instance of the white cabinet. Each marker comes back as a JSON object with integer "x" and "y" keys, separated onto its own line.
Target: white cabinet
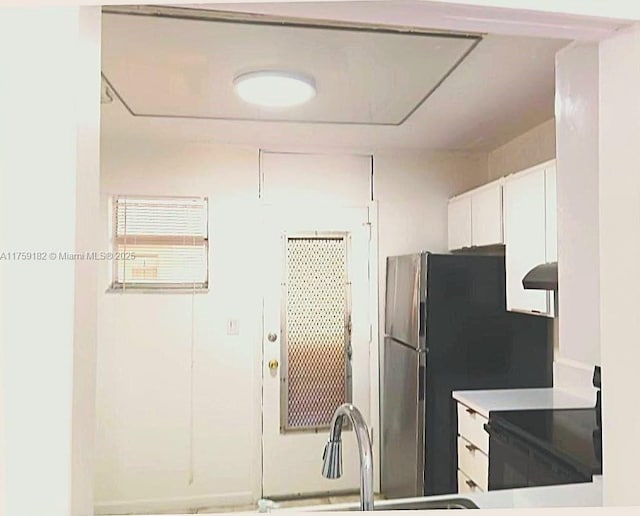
{"x": 525, "y": 237}
{"x": 471, "y": 427}
{"x": 486, "y": 215}
{"x": 460, "y": 222}
{"x": 473, "y": 451}
{"x": 529, "y": 234}
{"x": 521, "y": 213}
{"x": 475, "y": 218}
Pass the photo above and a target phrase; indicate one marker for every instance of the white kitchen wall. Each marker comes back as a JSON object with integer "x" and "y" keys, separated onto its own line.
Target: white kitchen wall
{"x": 314, "y": 179}
{"x": 411, "y": 187}
{"x": 152, "y": 450}
{"x": 148, "y": 446}
{"x": 526, "y": 150}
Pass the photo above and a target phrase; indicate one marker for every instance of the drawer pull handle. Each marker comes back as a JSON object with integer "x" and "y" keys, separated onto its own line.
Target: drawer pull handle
{"x": 471, "y": 411}
{"x": 471, "y": 447}
{"x": 471, "y": 483}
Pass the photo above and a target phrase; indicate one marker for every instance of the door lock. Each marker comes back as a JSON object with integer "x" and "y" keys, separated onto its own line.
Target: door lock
{"x": 273, "y": 364}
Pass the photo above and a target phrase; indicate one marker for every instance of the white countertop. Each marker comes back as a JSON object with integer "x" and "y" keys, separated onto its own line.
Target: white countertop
{"x": 520, "y": 399}
{"x": 588, "y": 494}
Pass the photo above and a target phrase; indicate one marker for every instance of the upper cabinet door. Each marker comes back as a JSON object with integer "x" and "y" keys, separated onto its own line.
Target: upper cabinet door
{"x": 459, "y": 222}
{"x": 525, "y": 237}
{"x": 486, "y": 215}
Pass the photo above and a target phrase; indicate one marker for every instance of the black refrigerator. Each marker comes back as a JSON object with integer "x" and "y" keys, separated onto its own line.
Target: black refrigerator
{"x": 446, "y": 329}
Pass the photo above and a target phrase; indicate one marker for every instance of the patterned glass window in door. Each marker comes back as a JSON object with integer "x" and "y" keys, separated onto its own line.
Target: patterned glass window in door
{"x": 316, "y": 377}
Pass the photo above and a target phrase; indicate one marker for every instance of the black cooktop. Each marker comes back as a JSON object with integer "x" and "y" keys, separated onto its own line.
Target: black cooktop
{"x": 565, "y": 433}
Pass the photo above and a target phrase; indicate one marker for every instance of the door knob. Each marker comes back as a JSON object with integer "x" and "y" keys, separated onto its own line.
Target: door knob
{"x": 272, "y": 337}
{"x": 273, "y": 364}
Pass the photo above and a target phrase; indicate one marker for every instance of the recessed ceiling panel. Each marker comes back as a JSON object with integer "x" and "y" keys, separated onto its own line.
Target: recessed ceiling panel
{"x": 163, "y": 67}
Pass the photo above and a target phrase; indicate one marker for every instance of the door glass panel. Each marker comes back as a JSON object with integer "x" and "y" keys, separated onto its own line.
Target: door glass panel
{"x": 316, "y": 376}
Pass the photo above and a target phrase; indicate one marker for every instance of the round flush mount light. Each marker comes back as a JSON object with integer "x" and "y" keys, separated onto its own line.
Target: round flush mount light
{"x": 274, "y": 88}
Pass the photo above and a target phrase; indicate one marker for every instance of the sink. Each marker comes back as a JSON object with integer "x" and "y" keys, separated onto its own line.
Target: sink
{"x": 416, "y": 505}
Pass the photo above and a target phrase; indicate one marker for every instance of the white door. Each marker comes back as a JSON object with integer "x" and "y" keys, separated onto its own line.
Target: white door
{"x": 316, "y": 315}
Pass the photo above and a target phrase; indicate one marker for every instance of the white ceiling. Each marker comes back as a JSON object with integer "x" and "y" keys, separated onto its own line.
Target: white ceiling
{"x": 504, "y": 87}
{"x": 186, "y": 68}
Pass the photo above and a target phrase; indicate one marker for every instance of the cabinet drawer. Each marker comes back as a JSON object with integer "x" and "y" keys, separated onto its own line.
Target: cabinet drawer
{"x": 466, "y": 485}
{"x": 471, "y": 427}
{"x": 473, "y": 463}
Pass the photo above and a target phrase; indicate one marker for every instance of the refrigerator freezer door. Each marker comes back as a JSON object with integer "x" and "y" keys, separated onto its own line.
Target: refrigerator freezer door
{"x": 402, "y": 320}
{"x": 402, "y": 421}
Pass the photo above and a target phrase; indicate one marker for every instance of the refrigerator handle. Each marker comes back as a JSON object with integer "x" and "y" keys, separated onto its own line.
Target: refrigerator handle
{"x": 420, "y": 383}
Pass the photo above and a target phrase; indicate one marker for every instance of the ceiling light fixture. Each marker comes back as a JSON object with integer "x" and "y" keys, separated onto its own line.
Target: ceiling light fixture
{"x": 275, "y": 88}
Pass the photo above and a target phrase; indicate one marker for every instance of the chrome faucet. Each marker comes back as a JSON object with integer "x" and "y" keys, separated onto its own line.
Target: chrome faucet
{"x": 332, "y": 466}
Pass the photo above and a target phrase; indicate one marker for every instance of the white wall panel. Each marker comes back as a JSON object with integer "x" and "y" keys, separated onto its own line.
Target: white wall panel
{"x": 577, "y": 169}
{"x": 526, "y": 150}
{"x": 153, "y": 451}
{"x": 48, "y": 191}
{"x": 86, "y": 272}
{"x": 619, "y": 191}
{"x": 324, "y": 178}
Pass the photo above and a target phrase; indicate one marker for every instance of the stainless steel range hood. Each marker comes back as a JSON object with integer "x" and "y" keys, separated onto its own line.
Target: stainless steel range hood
{"x": 542, "y": 277}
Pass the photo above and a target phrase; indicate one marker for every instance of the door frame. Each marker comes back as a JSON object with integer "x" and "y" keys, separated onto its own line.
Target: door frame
{"x": 374, "y": 358}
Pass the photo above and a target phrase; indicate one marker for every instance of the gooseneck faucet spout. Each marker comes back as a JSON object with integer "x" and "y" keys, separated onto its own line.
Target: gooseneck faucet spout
{"x": 332, "y": 466}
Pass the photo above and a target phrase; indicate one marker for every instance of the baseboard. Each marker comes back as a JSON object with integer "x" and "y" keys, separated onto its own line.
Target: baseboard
{"x": 175, "y": 504}
{"x": 574, "y": 377}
